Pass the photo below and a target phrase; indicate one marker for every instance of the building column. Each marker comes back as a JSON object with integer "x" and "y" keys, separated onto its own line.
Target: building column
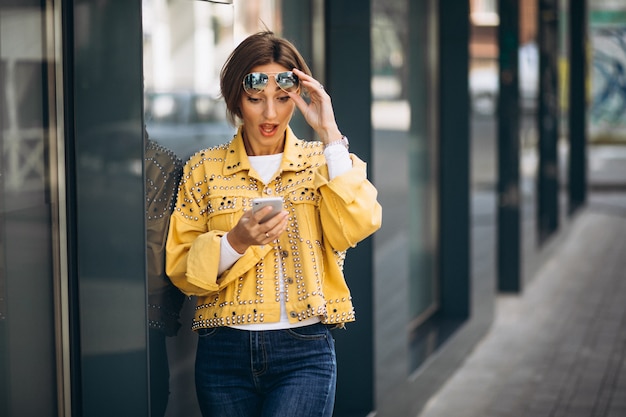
{"x": 548, "y": 121}
{"x": 454, "y": 159}
{"x": 348, "y": 48}
{"x": 508, "y": 150}
{"x": 577, "y": 170}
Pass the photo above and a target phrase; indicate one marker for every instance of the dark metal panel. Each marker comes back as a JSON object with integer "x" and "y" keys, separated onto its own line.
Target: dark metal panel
{"x": 454, "y": 158}
{"x": 67, "y": 17}
{"x": 109, "y": 207}
{"x": 509, "y": 268}
{"x": 577, "y": 105}
{"x": 548, "y": 123}
{"x": 348, "y": 52}
{"x": 4, "y": 351}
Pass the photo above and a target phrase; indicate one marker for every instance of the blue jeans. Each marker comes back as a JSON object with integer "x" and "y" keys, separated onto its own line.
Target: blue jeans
{"x": 275, "y": 373}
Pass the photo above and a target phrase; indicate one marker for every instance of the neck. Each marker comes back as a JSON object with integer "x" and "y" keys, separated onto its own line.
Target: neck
{"x": 252, "y": 150}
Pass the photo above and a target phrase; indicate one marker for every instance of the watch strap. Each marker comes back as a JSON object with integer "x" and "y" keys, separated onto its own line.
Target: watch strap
{"x": 343, "y": 141}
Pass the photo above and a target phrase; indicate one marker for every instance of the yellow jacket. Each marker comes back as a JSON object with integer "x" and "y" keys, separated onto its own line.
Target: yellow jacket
{"x": 325, "y": 219}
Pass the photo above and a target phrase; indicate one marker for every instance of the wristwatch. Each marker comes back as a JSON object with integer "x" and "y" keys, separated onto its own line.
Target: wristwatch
{"x": 343, "y": 141}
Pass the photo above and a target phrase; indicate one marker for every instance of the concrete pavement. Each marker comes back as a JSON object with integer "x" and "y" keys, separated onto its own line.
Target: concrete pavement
{"x": 559, "y": 348}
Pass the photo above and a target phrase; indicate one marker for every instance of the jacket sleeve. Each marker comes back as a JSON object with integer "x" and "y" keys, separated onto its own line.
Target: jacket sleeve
{"x": 192, "y": 258}
{"x": 349, "y": 210}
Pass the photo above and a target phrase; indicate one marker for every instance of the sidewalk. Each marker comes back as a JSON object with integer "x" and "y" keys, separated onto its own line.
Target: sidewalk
{"x": 559, "y": 348}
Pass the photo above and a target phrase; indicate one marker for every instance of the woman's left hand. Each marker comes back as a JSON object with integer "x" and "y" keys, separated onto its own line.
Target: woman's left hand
{"x": 318, "y": 113}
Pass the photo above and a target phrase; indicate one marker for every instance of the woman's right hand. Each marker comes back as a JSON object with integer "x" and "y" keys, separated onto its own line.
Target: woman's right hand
{"x": 318, "y": 112}
{"x": 248, "y": 231}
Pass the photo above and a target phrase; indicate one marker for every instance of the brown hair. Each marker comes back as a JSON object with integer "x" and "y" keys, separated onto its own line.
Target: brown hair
{"x": 262, "y": 48}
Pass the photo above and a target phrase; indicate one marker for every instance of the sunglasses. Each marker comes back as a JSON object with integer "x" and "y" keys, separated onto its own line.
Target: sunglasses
{"x": 256, "y": 82}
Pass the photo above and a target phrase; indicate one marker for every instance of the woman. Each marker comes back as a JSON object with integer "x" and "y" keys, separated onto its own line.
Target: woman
{"x": 269, "y": 291}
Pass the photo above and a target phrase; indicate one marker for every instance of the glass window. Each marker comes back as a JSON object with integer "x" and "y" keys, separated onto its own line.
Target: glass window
{"x": 404, "y": 158}
{"x": 185, "y": 44}
{"x": 27, "y": 212}
{"x": 484, "y": 12}
{"x": 528, "y": 66}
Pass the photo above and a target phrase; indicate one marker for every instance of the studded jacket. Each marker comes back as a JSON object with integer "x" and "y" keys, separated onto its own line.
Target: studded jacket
{"x": 325, "y": 219}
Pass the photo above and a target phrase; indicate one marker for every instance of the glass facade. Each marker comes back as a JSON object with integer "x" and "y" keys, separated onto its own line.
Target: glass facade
{"x": 405, "y": 164}
{"x": 30, "y": 326}
{"x": 529, "y": 84}
{"x": 483, "y": 85}
{"x": 185, "y": 45}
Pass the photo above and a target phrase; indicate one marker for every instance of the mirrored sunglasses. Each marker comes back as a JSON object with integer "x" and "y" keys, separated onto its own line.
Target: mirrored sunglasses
{"x": 256, "y": 82}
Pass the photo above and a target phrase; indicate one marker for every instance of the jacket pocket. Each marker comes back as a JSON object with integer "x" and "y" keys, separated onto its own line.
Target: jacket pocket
{"x": 305, "y": 201}
{"x": 224, "y": 212}
{"x": 207, "y": 332}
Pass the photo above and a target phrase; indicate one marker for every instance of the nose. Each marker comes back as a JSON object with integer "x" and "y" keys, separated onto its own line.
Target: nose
{"x": 269, "y": 112}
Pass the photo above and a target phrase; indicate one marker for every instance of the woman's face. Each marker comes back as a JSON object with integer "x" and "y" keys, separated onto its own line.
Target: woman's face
{"x": 266, "y": 114}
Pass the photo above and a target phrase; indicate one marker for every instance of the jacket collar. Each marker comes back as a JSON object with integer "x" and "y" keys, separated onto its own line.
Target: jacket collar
{"x": 294, "y": 158}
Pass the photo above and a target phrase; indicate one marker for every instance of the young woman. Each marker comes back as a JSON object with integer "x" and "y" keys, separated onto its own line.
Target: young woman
{"x": 269, "y": 290}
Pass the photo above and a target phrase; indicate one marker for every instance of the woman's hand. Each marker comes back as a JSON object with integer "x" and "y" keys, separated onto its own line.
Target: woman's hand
{"x": 318, "y": 113}
{"x": 248, "y": 231}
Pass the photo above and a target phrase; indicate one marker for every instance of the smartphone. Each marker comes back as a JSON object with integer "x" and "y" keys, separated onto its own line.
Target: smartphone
{"x": 275, "y": 202}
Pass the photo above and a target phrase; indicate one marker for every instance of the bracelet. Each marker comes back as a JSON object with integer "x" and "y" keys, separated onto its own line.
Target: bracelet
{"x": 343, "y": 141}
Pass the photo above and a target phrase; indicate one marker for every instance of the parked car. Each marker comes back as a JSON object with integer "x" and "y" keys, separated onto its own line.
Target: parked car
{"x": 186, "y": 121}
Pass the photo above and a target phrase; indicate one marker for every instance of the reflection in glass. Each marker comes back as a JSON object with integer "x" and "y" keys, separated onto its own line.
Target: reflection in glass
{"x": 404, "y": 169}
{"x": 162, "y": 173}
{"x": 185, "y": 44}
{"x": 390, "y": 120}
{"x": 28, "y": 361}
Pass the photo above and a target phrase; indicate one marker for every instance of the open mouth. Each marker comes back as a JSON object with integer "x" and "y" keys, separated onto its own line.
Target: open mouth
{"x": 268, "y": 129}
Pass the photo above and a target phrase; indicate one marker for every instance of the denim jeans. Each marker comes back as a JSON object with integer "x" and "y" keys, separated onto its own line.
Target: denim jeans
{"x": 275, "y": 373}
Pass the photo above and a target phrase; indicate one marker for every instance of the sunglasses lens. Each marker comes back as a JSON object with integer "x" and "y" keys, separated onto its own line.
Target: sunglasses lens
{"x": 255, "y": 82}
{"x": 288, "y": 81}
